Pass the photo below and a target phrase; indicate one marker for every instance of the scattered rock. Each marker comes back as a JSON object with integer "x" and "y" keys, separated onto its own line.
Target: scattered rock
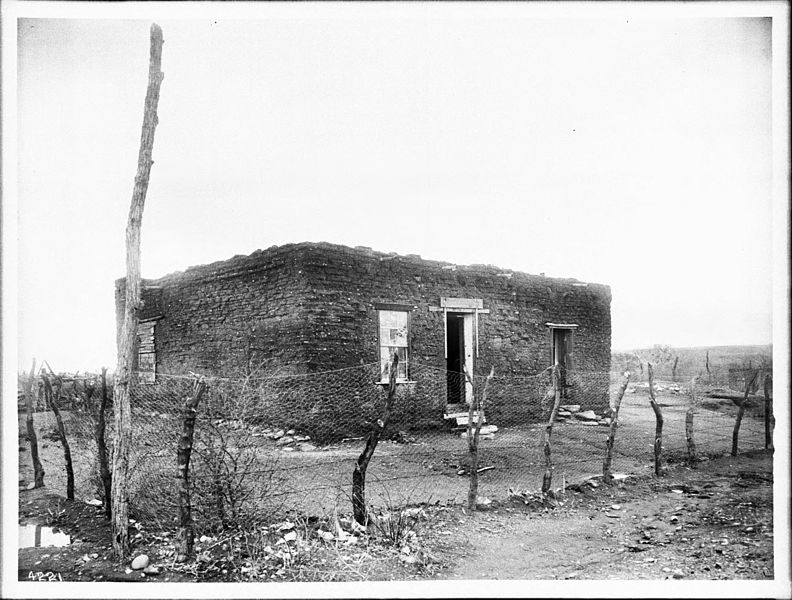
{"x": 151, "y": 570}
{"x": 278, "y": 434}
{"x": 483, "y": 502}
{"x": 572, "y": 408}
{"x": 286, "y": 439}
{"x": 140, "y": 562}
{"x": 306, "y": 447}
{"x": 482, "y": 436}
{"x": 588, "y": 415}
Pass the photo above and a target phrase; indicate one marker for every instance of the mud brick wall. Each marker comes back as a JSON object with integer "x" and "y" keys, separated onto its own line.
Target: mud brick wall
{"x": 313, "y": 307}
{"x": 347, "y": 285}
{"x": 225, "y": 317}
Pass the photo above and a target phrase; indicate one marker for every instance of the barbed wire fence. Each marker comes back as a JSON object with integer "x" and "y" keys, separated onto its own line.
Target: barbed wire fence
{"x": 267, "y": 446}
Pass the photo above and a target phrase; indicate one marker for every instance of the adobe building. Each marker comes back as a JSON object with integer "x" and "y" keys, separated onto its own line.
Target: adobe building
{"x": 316, "y": 307}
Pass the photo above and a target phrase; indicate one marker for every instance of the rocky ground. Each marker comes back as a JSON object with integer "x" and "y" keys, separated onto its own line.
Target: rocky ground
{"x": 711, "y": 522}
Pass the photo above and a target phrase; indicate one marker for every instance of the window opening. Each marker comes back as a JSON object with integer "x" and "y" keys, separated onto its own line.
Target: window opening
{"x": 394, "y": 332}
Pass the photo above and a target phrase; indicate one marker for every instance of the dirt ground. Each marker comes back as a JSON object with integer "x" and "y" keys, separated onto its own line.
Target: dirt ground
{"x": 712, "y": 522}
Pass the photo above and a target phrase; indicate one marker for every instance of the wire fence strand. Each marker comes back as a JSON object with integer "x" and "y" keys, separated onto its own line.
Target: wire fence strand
{"x": 286, "y": 444}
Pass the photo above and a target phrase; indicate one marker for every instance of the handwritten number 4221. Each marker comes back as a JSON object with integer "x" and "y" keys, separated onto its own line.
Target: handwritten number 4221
{"x": 41, "y": 576}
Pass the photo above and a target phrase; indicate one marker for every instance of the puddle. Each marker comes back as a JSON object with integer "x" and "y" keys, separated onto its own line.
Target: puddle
{"x": 37, "y": 536}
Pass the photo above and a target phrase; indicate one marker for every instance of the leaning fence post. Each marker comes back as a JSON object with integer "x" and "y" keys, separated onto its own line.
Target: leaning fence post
{"x": 658, "y": 441}
{"x": 548, "y": 474}
{"x": 359, "y": 474}
{"x": 52, "y": 401}
{"x": 769, "y": 419}
{"x": 473, "y": 436}
{"x": 606, "y": 465}
{"x": 185, "y": 534}
{"x": 741, "y": 412}
{"x": 38, "y": 470}
{"x": 691, "y": 442}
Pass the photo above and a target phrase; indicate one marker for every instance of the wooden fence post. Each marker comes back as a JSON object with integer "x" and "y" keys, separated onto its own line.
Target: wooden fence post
{"x": 658, "y": 441}
{"x": 473, "y": 435}
{"x": 185, "y": 534}
{"x": 707, "y": 365}
{"x": 359, "y": 474}
{"x": 769, "y": 419}
{"x": 691, "y": 442}
{"x": 38, "y": 470}
{"x": 741, "y": 412}
{"x": 548, "y": 474}
{"x": 101, "y": 448}
{"x": 606, "y": 465}
{"x": 52, "y": 400}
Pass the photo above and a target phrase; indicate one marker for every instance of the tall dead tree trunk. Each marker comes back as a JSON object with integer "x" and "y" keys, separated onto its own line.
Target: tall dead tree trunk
{"x": 38, "y": 470}
{"x": 52, "y": 397}
{"x": 769, "y": 419}
{"x": 547, "y": 479}
{"x": 740, "y": 413}
{"x": 101, "y": 448}
{"x": 477, "y": 404}
{"x": 691, "y": 411}
{"x": 185, "y": 535}
{"x": 359, "y": 474}
{"x": 606, "y": 465}
{"x": 127, "y": 338}
{"x": 658, "y": 441}
{"x": 674, "y": 369}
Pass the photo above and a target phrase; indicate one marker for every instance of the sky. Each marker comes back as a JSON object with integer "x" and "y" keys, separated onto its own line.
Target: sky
{"x": 628, "y": 147}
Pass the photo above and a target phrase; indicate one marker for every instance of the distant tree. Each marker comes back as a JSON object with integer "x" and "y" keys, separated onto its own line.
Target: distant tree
{"x": 659, "y": 355}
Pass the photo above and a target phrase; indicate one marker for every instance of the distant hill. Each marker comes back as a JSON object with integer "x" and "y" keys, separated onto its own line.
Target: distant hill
{"x": 727, "y": 364}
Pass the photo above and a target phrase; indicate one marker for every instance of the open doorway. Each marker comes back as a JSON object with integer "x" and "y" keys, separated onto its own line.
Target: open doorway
{"x": 561, "y": 355}
{"x": 459, "y": 353}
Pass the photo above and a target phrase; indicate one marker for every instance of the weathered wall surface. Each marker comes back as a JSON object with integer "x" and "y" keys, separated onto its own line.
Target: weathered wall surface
{"x": 312, "y": 307}
{"x": 222, "y": 317}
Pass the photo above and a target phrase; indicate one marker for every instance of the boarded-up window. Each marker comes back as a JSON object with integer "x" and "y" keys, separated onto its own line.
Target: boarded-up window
{"x": 147, "y": 358}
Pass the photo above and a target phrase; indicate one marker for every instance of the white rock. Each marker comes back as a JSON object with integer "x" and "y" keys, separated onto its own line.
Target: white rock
{"x": 140, "y": 562}
{"x": 588, "y": 415}
{"x": 290, "y": 536}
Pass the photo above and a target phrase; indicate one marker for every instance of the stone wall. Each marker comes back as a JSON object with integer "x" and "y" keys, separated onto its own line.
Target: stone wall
{"x": 313, "y": 307}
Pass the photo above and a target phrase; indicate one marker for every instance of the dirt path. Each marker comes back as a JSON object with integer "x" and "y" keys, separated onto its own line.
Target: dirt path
{"x": 714, "y": 522}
